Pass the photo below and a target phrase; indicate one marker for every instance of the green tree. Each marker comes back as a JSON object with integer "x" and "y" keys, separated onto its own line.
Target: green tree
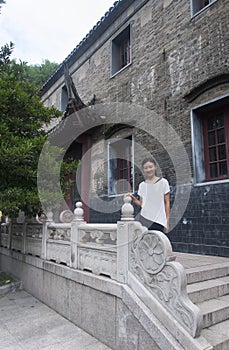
{"x": 22, "y": 117}
{"x": 1, "y": 2}
{"x": 39, "y": 73}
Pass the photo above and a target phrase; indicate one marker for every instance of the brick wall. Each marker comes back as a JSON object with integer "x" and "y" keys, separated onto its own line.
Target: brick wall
{"x": 171, "y": 55}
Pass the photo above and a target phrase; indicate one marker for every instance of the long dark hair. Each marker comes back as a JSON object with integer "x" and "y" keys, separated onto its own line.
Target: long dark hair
{"x": 149, "y": 159}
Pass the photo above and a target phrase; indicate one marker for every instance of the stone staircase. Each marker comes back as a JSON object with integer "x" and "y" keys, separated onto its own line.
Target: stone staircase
{"x": 208, "y": 288}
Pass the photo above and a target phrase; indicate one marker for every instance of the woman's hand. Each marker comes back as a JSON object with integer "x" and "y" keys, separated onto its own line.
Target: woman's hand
{"x": 136, "y": 201}
{"x": 130, "y": 195}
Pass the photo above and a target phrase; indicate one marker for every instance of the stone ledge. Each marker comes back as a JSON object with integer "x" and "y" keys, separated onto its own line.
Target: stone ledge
{"x": 11, "y": 287}
{"x": 145, "y": 313}
{"x": 91, "y": 302}
{"x": 99, "y": 283}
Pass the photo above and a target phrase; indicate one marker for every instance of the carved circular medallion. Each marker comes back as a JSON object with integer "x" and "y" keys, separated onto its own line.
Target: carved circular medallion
{"x": 66, "y": 216}
{"x": 151, "y": 253}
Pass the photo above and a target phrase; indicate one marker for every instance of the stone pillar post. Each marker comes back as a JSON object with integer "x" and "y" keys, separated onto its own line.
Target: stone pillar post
{"x": 123, "y": 236}
{"x": 24, "y": 237}
{"x": 76, "y": 222}
{"x": 21, "y": 219}
{"x": 46, "y": 222}
{"x": 6, "y": 228}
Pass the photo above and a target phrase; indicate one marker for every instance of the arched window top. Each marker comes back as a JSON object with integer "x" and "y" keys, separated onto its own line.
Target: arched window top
{"x": 116, "y": 128}
{"x": 207, "y": 85}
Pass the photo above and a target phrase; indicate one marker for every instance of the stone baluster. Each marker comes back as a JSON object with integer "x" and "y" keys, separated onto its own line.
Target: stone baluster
{"x": 6, "y": 232}
{"x": 123, "y": 228}
{"x": 9, "y": 228}
{"x": 78, "y": 212}
{"x": 46, "y": 220}
{"x": 127, "y": 210}
{"x": 78, "y": 219}
{"x": 24, "y": 237}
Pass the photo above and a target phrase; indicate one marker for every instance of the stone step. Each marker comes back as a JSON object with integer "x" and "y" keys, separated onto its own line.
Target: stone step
{"x": 218, "y": 335}
{"x": 210, "y": 289}
{"x": 214, "y": 310}
{"x": 207, "y": 272}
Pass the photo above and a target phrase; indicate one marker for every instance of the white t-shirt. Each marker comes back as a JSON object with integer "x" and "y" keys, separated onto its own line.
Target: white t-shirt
{"x": 153, "y": 205}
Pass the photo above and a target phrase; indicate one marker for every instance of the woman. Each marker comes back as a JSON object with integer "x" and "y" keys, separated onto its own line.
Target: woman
{"x": 154, "y": 200}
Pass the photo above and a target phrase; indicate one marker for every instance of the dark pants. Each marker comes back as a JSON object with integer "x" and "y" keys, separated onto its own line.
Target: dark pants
{"x": 150, "y": 225}
{"x": 157, "y": 227}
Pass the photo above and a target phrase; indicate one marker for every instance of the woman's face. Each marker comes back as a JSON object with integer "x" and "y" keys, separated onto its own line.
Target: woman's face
{"x": 149, "y": 169}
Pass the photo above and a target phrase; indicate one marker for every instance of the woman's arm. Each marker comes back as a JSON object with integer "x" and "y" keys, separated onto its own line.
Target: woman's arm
{"x": 136, "y": 201}
{"x": 167, "y": 209}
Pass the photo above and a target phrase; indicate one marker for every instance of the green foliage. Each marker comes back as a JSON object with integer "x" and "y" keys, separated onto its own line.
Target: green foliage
{"x": 36, "y": 74}
{"x": 54, "y": 176}
{"x": 5, "y": 53}
{"x": 1, "y": 2}
{"x": 22, "y": 116}
{"x": 5, "y": 278}
{"x": 39, "y": 73}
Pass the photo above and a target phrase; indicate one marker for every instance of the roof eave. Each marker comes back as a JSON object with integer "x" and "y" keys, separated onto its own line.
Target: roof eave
{"x": 110, "y": 16}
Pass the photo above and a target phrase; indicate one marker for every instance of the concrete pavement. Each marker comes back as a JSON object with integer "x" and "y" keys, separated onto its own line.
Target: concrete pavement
{"x": 28, "y": 324}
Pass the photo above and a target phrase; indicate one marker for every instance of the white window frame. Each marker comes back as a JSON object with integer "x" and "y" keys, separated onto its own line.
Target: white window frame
{"x": 197, "y": 139}
{"x": 109, "y": 145}
{"x": 112, "y": 73}
{"x": 193, "y": 5}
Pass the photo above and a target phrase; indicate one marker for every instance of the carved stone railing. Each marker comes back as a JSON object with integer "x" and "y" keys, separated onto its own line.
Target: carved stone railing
{"x": 145, "y": 262}
{"x": 58, "y": 245}
{"x": 17, "y": 236}
{"x": 33, "y": 239}
{"x": 93, "y": 246}
{"x": 96, "y": 251}
{"x": 126, "y": 252}
{"x": 24, "y": 237}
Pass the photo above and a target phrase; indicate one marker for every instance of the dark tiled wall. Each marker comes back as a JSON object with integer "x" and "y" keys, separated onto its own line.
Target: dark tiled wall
{"x": 204, "y": 227}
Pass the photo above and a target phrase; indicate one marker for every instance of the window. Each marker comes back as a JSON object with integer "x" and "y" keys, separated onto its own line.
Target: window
{"x": 210, "y": 141}
{"x": 64, "y": 98}
{"x": 121, "y": 51}
{"x": 216, "y": 144}
{"x": 198, "y": 5}
{"x": 120, "y": 174}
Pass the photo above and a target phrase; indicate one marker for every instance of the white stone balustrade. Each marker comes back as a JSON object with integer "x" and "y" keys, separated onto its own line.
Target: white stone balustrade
{"x": 33, "y": 239}
{"x": 59, "y": 231}
{"x": 58, "y": 246}
{"x": 98, "y": 233}
{"x": 17, "y": 236}
{"x": 96, "y": 249}
{"x": 93, "y": 246}
{"x": 145, "y": 262}
{"x": 126, "y": 252}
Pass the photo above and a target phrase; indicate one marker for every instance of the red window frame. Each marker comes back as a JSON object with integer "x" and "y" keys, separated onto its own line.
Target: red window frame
{"x": 123, "y": 169}
{"x": 124, "y": 50}
{"x": 216, "y": 143}
{"x": 204, "y": 3}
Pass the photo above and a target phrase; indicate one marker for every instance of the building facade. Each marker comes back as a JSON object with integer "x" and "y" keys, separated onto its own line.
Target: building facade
{"x": 170, "y": 58}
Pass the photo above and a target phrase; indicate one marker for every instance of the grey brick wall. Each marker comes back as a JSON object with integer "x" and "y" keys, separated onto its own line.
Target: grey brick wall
{"x": 172, "y": 54}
